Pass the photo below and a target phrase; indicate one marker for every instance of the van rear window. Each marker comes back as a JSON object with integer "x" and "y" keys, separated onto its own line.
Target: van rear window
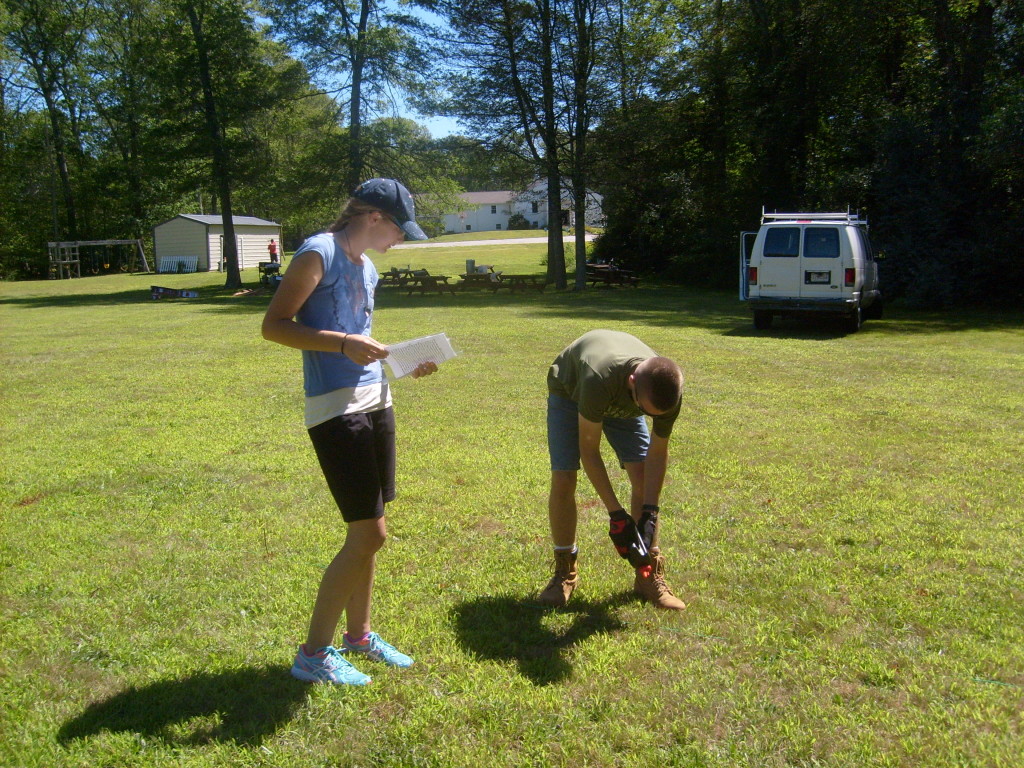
{"x": 821, "y": 243}
{"x": 782, "y": 241}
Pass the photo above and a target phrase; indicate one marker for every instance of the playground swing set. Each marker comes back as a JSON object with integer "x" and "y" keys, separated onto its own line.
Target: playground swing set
{"x": 96, "y": 257}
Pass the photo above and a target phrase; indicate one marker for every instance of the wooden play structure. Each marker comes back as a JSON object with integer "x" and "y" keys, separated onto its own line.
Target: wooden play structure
{"x": 97, "y": 256}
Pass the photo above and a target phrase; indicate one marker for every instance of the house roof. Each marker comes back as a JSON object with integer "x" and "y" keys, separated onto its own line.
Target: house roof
{"x": 487, "y": 198}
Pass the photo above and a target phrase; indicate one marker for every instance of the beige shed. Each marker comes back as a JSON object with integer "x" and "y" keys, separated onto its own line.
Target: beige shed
{"x": 195, "y": 242}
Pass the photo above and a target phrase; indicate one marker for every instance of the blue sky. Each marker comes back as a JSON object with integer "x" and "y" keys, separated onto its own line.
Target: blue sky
{"x": 439, "y": 126}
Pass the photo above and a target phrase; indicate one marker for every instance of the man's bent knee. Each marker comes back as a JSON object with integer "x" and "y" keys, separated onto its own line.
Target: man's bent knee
{"x": 563, "y": 481}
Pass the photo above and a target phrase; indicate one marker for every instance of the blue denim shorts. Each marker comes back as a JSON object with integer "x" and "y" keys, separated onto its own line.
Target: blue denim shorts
{"x": 629, "y": 438}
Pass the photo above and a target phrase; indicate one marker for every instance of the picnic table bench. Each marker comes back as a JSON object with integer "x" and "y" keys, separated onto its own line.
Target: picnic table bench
{"x": 422, "y": 281}
{"x": 516, "y": 282}
{"x": 491, "y": 280}
{"x": 605, "y": 274}
{"x": 394, "y": 278}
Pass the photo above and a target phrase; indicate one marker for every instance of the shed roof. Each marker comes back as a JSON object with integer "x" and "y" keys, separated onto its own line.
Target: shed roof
{"x": 217, "y": 219}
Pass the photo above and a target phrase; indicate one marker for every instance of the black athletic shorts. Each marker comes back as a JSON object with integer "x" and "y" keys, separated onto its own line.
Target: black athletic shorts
{"x": 357, "y": 455}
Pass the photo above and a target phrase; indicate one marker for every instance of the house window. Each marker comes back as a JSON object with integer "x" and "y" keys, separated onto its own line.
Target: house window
{"x": 497, "y": 226}
{"x": 534, "y": 208}
{"x": 469, "y": 227}
{"x": 494, "y": 209}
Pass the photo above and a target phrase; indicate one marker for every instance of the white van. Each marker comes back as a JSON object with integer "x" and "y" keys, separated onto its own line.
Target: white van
{"x": 802, "y": 263}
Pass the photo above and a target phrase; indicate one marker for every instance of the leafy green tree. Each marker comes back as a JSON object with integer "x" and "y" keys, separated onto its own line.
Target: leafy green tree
{"x": 505, "y": 90}
{"x": 364, "y": 53}
{"x": 638, "y": 42}
{"x": 212, "y": 79}
{"x": 26, "y": 167}
{"x": 119, "y": 93}
{"x": 478, "y": 167}
{"x": 297, "y": 180}
{"x": 400, "y": 148}
{"x": 585, "y": 100}
{"x": 47, "y": 36}
{"x": 913, "y": 119}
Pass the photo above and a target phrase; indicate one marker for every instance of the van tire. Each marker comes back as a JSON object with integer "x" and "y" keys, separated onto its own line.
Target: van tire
{"x": 762, "y": 319}
{"x": 854, "y": 320}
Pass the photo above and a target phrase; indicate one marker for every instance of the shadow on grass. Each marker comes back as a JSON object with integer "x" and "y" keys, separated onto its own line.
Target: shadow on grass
{"x": 250, "y": 299}
{"x": 243, "y": 706}
{"x": 651, "y": 304}
{"x": 508, "y": 628}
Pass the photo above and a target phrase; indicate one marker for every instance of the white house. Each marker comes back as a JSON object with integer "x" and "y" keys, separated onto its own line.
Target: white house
{"x": 483, "y": 211}
{"x": 194, "y": 242}
{"x": 486, "y": 211}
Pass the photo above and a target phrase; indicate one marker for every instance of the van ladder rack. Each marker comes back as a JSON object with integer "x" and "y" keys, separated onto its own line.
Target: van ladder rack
{"x": 848, "y": 217}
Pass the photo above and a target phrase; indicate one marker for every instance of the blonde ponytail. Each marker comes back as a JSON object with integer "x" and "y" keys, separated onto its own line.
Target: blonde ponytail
{"x": 352, "y": 209}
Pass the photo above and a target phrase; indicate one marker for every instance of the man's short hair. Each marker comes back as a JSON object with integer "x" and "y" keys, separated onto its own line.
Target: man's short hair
{"x": 662, "y": 382}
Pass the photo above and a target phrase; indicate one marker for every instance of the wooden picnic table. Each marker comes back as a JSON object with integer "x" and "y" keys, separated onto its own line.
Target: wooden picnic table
{"x": 491, "y": 280}
{"x": 515, "y": 282}
{"x": 424, "y": 283}
{"x": 394, "y": 278}
{"x": 606, "y": 274}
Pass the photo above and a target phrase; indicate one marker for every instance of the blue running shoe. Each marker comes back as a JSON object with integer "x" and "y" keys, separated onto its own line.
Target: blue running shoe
{"x": 376, "y": 649}
{"x": 327, "y": 666}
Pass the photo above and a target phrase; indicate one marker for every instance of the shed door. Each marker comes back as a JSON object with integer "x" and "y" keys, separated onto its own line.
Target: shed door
{"x": 252, "y": 249}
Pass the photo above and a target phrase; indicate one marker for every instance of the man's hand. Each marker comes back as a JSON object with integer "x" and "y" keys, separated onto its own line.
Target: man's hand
{"x": 626, "y": 538}
{"x": 648, "y": 526}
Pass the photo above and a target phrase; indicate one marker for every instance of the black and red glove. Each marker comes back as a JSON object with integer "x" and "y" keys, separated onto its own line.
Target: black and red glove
{"x": 627, "y": 539}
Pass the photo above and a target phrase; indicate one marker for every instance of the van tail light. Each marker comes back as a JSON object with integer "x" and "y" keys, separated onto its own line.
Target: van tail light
{"x": 752, "y": 275}
{"x": 851, "y": 275}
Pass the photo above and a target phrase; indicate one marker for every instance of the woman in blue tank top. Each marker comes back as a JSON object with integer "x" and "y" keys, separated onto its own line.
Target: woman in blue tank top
{"x": 324, "y": 307}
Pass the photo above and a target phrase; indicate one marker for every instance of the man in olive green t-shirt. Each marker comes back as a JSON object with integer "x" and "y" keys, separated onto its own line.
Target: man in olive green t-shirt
{"x": 605, "y": 382}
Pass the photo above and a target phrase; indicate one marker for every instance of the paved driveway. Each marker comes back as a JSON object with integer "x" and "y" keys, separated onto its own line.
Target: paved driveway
{"x": 509, "y": 241}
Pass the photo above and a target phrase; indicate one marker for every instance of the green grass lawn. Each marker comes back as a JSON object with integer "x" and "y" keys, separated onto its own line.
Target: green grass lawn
{"x": 491, "y": 235}
{"x": 506, "y": 234}
{"x": 843, "y": 515}
{"x": 505, "y": 257}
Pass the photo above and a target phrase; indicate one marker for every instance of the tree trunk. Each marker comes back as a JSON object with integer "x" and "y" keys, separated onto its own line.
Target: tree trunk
{"x": 582, "y": 68}
{"x": 70, "y": 231}
{"x": 221, "y": 169}
{"x": 355, "y": 112}
{"x": 556, "y": 247}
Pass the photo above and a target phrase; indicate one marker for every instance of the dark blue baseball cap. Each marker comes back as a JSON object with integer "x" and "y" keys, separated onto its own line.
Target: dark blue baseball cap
{"x": 395, "y": 200}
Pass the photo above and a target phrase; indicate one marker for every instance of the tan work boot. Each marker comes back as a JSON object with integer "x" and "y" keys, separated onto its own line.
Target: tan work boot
{"x": 653, "y": 588}
{"x": 562, "y": 584}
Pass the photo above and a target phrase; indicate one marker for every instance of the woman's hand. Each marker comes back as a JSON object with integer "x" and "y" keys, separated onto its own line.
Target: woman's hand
{"x": 424, "y": 369}
{"x": 363, "y": 350}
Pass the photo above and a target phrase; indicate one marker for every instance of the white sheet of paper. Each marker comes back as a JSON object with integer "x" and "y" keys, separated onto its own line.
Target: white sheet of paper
{"x": 404, "y": 357}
